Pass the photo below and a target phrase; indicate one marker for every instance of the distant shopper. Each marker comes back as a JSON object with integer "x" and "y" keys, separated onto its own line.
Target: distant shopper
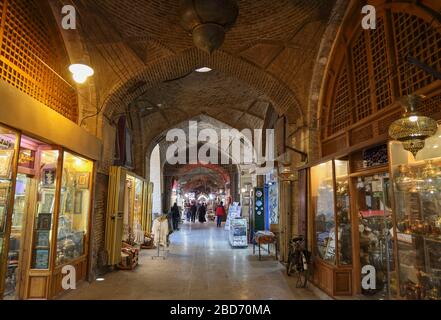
{"x": 175, "y": 216}
{"x": 202, "y": 212}
{"x": 187, "y": 211}
{"x": 193, "y": 211}
{"x": 220, "y": 213}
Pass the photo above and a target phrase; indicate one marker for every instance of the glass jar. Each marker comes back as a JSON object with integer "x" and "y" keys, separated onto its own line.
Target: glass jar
{"x": 432, "y": 177}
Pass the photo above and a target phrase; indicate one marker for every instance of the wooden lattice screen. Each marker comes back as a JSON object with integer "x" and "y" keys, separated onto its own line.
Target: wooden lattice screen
{"x": 341, "y": 118}
{"x": 423, "y": 41}
{"x": 30, "y": 58}
{"x": 366, "y": 81}
{"x": 380, "y": 66}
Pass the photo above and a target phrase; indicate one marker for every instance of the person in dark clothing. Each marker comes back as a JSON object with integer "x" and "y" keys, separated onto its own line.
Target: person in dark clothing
{"x": 193, "y": 211}
{"x": 202, "y": 212}
{"x": 175, "y": 216}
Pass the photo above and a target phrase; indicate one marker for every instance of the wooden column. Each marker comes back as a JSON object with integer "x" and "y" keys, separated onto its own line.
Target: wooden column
{"x": 286, "y": 213}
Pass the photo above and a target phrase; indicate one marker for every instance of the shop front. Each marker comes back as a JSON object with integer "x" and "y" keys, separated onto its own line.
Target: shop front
{"x": 45, "y": 204}
{"x": 375, "y": 223}
{"x": 352, "y": 224}
{"x": 416, "y": 196}
{"x": 129, "y": 213}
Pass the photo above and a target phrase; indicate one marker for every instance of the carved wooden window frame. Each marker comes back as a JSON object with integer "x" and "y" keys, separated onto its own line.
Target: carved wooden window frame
{"x": 370, "y": 126}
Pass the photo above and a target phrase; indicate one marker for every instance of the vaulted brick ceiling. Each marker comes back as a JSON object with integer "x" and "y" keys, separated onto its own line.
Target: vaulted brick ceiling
{"x": 138, "y": 48}
{"x": 214, "y": 94}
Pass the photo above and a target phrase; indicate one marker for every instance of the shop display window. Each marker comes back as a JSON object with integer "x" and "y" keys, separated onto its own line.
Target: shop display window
{"x": 137, "y": 205}
{"x": 330, "y": 202}
{"x": 128, "y": 235}
{"x": 16, "y": 237}
{"x": 48, "y": 193}
{"x": 375, "y": 227}
{"x": 322, "y": 194}
{"x": 417, "y": 192}
{"x": 75, "y": 196}
{"x": 8, "y": 142}
{"x": 133, "y": 210}
{"x": 343, "y": 210}
{"x": 45, "y": 209}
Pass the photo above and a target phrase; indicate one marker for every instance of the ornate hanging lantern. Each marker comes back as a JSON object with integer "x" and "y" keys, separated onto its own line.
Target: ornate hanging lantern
{"x": 412, "y": 129}
{"x": 208, "y": 21}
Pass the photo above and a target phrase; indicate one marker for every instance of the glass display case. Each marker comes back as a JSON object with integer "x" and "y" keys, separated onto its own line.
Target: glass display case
{"x": 73, "y": 219}
{"x": 137, "y": 203}
{"x": 343, "y": 209}
{"x": 8, "y": 143}
{"x": 133, "y": 210}
{"x": 322, "y": 196}
{"x": 41, "y": 248}
{"x": 375, "y": 230}
{"x": 330, "y": 211}
{"x": 239, "y": 233}
{"x": 331, "y": 208}
{"x": 16, "y": 237}
{"x": 417, "y": 194}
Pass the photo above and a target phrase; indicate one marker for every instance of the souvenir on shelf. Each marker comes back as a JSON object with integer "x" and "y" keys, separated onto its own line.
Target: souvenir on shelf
{"x": 6, "y": 157}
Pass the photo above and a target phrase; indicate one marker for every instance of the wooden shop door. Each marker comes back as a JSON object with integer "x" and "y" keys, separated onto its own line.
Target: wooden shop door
{"x": 115, "y": 214}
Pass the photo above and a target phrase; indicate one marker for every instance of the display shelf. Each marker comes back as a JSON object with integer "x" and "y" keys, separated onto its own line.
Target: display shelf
{"x": 238, "y": 234}
{"x": 417, "y": 191}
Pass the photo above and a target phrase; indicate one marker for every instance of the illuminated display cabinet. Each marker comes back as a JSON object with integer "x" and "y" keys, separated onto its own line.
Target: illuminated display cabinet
{"x": 417, "y": 197}
{"x": 330, "y": 215}
{"x": 45, "y": 205}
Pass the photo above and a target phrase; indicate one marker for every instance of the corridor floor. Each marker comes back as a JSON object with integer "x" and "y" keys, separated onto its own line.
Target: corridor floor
{"x": 201, "y": 265}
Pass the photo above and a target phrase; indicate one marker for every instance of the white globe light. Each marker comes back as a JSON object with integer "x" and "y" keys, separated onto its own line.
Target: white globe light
{"x": 204, "y": 70}
{"x": 81, "y": 72}
{"x": 413, "y": 118}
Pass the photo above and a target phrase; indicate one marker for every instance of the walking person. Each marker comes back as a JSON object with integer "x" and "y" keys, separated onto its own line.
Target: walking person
{"x": 175, "y": 216}
{"x": 202, "y": 212}
{"x": 187, "y": 211}
{"x": 193, "y": 211}
{"x": 220, "y": 213}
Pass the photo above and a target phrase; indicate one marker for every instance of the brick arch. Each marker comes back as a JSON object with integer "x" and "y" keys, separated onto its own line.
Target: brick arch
{"x": 174, "y": 67}
{"x": 217, "y": 169}
{"x": 150, "y": 146}
{"x": 323, "y": 55}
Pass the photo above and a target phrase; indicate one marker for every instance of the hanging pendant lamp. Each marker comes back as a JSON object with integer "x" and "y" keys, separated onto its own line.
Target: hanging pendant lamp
{"x": 208, "y": 21}
{"x": 413, "y": 128}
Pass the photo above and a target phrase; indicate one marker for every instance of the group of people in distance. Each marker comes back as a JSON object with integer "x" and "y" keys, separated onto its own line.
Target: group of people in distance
{"x": 196, "y": 210}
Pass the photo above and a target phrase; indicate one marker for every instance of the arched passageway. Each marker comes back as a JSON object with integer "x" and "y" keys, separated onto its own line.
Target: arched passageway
{"x": 292, "y": 125}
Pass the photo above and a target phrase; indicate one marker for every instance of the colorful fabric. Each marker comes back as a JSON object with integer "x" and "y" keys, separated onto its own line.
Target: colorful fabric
{"x": 264, "y": 237}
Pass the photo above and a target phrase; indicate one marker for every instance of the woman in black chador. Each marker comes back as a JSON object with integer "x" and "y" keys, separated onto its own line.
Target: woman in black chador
{"x": 176, "y": 215}
{"x": 202, "y": 212}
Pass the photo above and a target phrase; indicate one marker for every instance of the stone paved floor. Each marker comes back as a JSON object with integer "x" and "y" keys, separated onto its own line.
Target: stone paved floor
{"x": 200, "y": 266}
